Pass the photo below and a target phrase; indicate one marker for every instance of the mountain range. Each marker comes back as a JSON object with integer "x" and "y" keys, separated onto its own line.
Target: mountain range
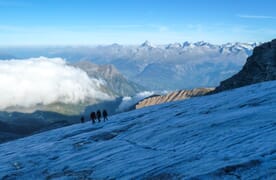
{"x": 156, "y": 67}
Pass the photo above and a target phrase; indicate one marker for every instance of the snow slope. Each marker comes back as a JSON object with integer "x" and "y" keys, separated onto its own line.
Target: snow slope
{"x": 231, "y": 135}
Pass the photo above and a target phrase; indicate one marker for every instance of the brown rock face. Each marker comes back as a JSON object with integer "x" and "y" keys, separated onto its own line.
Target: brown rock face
{"x": 174, "y": 96}
{"x": 259, "y": 67}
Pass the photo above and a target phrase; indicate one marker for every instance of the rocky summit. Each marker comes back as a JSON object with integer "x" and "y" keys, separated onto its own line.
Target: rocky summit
{"x": 259, "y": 67}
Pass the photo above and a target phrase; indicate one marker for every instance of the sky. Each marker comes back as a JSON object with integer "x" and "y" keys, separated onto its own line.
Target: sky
{"x": 90, "y": 22}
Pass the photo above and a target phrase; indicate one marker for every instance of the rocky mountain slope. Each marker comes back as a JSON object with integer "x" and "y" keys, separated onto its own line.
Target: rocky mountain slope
{"x": 259, "y": 67}
{"x": 229, "y": 135}
{"x": 173, "y": 96}
{"x": 114, "y": 80}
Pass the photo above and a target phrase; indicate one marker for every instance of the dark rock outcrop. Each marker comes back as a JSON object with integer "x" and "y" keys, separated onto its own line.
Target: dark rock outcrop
{"x": 259, "y": 67}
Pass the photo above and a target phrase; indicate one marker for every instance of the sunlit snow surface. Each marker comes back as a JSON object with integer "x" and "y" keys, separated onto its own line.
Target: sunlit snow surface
{"x": 231, "y": 135}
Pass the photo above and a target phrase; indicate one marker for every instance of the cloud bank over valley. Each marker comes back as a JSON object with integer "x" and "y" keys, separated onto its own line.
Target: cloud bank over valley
{"x": 43, "y": 81}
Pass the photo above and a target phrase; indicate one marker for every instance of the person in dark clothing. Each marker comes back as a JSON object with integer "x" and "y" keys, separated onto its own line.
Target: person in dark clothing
{"x": 105, "y": 115}
{"x": 99, "y": 115}
{"x": 82, "y": 119}
{"x": 93, "y": 117}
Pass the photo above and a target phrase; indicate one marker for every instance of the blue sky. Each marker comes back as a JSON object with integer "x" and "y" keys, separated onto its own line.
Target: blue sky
{"x": 85, "y": 22}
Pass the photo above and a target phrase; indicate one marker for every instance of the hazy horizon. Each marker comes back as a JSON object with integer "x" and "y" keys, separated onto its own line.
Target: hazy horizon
{"x": 115, "y": 43}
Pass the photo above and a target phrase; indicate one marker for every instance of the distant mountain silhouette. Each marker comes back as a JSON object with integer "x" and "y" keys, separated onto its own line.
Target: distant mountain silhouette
{"x": 115, "y": 81}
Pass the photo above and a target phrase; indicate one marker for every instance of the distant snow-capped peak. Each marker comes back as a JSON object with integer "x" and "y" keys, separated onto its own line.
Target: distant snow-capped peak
{"x": 174, "y": 45}
{"x": 202, "y": 43}
{"x": 187, "y": 45}
{"x": 147, "y": 44}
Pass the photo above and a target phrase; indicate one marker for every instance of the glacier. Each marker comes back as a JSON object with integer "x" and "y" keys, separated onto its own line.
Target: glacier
{"x": 230, "y": 135}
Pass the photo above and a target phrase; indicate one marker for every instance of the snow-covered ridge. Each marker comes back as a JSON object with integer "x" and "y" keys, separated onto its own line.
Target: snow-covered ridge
{"x": 230, "y": 135}
{"x": 148, "y": 47}
{"x": 258, "y": 68}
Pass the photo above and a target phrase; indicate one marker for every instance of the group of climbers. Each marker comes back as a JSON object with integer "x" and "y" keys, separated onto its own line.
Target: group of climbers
{"x": 96, "y": 116}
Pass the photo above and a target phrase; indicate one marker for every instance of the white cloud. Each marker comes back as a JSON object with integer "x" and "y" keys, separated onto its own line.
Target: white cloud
{"x": 42, "y": 80}
{"x": 128, "y": 102}
{"x": 255, "y": 16}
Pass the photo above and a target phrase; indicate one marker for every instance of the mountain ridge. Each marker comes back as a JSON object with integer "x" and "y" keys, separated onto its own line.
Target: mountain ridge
{"x": 114, "y": 80}
{"x": 259, "y": 67}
